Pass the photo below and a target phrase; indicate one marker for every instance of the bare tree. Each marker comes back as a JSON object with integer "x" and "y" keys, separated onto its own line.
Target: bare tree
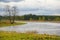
{"x": 8, "y": 11}
{"x": 14, "y": 11}
{"x": 11, "y": 12}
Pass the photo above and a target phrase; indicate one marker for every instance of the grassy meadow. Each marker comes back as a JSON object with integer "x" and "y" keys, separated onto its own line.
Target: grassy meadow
{"x": 26, "y": 36}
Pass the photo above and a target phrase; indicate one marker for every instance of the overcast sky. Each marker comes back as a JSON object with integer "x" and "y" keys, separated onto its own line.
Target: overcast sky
{"x": 38, "y": 7}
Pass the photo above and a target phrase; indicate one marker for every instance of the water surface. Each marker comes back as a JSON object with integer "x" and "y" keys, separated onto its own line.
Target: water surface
{"x": 40, "y": 27}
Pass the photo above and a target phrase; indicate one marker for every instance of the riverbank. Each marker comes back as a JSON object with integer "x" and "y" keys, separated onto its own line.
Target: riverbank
{"x": 39, "y": 21}
{"x": 4, "y": 24}
{"x": 4, "y": 35}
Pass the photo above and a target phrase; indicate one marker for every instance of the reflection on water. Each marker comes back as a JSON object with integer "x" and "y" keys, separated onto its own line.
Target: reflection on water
{"x": 40, "y": 27}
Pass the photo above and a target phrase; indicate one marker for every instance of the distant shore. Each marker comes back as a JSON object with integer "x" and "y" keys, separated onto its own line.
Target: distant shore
{"x": 38, "y": 21}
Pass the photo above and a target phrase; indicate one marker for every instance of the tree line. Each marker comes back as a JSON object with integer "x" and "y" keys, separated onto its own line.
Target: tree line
{"x": 34, "y": 17}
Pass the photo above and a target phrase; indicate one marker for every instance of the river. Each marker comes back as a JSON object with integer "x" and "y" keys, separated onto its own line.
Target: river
{"x": 40, "y": 27}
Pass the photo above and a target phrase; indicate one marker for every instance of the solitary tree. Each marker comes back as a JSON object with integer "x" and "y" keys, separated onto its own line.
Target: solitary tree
{"x": 8, "y": 11}
{"x": 14, "y": 11}
{"x": 11, "y": 12}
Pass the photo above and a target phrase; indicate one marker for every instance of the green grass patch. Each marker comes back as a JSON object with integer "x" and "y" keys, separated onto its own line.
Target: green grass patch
{"x": 4, "y": 24}
{"x": 26, "y": 36}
